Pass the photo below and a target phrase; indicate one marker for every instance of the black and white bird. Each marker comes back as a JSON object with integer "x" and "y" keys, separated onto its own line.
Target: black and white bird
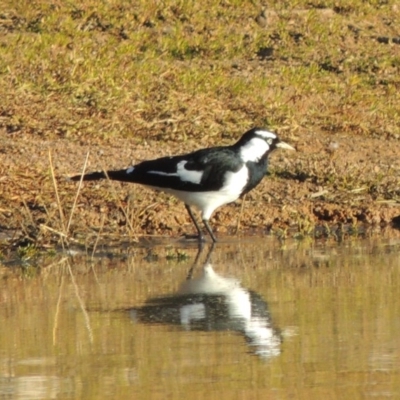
{"x": 212, "y": 302}
{"x": 207, "y": 178}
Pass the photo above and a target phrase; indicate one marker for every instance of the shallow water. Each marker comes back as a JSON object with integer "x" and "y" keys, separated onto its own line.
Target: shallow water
{"x": 263, "y": 320}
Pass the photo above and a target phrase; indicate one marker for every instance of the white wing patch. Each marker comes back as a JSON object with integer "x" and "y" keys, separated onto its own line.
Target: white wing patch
{"x": 254, "y": 149}
{"x": 130, "y": 170}
{"x": 207, "y": 202}
{"x": 183, "y": 174}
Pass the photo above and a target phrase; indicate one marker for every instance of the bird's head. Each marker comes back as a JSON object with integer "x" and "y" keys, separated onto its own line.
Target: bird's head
{"x": 258, "y": 143}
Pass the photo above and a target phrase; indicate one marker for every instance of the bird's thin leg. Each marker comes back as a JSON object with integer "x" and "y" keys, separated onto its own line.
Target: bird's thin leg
{"x": 199, "y": 252}
{"x": 209, "y": 230}
{"x": 209, "y": 253}
{"x": 196, "y": 260}
{"x": 200, "y": 233}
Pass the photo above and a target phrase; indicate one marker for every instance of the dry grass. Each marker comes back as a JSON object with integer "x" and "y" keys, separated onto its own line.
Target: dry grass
{"x": 179, "y": 75}
{"x": 177, "y": 70}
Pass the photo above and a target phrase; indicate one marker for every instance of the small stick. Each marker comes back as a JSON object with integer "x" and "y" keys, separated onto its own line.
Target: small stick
{"x": 120, "y": 204}
{"x": 98, "y": 235}
{"x": 57, "y": 313}
{"x": 62, "y": 218}
{"x": 240, "y": 215}
{"x": 81, "y": 303}
{"x": 53, "y": 230}
{"x": 28, "y": 212}
{"x": 77, "y": 192}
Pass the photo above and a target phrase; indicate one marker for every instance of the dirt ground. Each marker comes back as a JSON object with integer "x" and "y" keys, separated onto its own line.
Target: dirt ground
{"x": 351, "y": 183}
{"x": 129, "y": 81}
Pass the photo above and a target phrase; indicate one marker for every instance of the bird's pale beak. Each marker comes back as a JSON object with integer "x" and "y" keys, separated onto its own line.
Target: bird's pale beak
{"x": 283, "y": 145}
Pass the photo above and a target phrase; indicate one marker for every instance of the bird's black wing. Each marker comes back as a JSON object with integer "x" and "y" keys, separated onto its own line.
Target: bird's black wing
{"x": 214, "y": 164}
{"x": 200, "y": 171}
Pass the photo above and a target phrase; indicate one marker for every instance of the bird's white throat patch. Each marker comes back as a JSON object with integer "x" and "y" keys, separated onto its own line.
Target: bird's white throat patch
{"x": 182, "y": 173}
{"x": 254, "y": 149}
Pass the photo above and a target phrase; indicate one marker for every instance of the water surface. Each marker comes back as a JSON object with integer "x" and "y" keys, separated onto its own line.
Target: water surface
{"x": 263, "y": 319}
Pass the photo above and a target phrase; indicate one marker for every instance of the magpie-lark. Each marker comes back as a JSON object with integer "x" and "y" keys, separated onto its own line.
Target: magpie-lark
{"x": 212, "y": 302}
{"x": 207, "y": 178}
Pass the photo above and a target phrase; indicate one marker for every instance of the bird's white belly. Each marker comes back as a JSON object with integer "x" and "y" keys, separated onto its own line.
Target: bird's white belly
{"x": 208, "y": 202}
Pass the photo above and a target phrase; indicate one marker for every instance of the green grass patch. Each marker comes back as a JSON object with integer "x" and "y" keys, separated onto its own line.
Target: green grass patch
{"x": 134, "y": 68}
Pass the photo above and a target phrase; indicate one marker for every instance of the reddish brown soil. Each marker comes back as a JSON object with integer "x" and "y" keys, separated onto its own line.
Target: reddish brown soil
{"x": 351, "y": 181}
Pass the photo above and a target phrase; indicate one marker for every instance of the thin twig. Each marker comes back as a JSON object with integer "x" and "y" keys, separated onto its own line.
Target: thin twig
{"x": 81, "y": 303}
{"x": 28, "y": 212}
{"x": 77, "y": 192}
{"x": 60, "y": 210}
{"x": 240, "y": 215}
{"x": 56, "y": 315}
{"x": 53, "y": 230}
{"x": 98, "y": 235}
{"x": 120, "y": 205}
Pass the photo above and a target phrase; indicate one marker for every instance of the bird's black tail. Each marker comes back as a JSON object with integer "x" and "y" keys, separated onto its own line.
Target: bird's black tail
{"x": 120, "y": 175}
{"x": 93, "y": 176}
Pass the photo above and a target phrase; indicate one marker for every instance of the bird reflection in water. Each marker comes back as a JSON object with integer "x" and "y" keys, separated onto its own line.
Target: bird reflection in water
{"x": 212, "y": 302}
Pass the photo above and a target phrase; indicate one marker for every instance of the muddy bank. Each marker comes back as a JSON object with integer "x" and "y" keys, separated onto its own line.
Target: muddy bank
{"x": 351, "y": 183}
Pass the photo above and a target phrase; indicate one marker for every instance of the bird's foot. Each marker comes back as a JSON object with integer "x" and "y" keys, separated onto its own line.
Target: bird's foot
{"x": 199, "y": 238}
